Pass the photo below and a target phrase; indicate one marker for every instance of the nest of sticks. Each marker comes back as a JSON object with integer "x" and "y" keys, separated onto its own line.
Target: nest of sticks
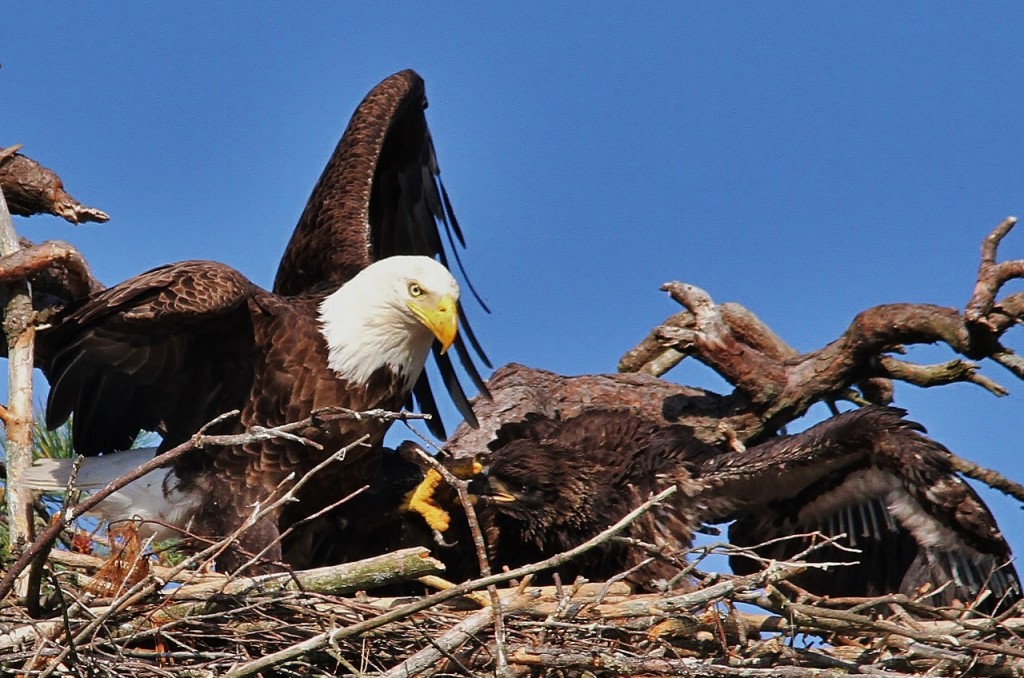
{"x": 128, "y": 616}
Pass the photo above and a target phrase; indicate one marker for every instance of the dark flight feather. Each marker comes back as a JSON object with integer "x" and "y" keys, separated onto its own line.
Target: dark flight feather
{"x": 868, "y": 473}
{"x": 173, "y": 348}
{"x": 875, "y": 477}
{"x": 381, "y": 195}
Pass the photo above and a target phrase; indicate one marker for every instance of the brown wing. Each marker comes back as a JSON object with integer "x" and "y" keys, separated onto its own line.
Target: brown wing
{"x": 381, "y": 195}
{"x": 872, "y": 476}
{"x": 164, "y": 351}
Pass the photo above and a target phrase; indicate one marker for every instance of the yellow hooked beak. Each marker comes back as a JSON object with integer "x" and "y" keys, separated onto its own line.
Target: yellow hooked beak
{"x": 442, "y": 320}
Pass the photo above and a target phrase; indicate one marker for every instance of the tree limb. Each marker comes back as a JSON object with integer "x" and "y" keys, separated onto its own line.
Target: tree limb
{"x": 19, "y": 331}
{"x": 33, "y": 189}
{"x": 781, "y": 384}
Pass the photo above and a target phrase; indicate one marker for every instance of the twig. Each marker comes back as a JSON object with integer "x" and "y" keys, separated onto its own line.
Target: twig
{"x": 35, "y": 571}
{"x": 290, "y": 494}
{"x": 620, "y": 663}
{"x": 993, "y": 479}
{"x": 949, "y": 372}
{"x": 317, "y": 642}
{"x": 454, "y": 638}
{"x": 850, "y": 622}
{"x": 196, "y": 442}
{"x": 462, "y": 488}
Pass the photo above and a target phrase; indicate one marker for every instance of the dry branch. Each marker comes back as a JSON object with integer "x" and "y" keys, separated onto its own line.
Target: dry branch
{"x": 19, "y": 331}
{"x": 376, "y": 572}
{"x": 590, "y": 627}
{"x": 53, "y": 267}
{"x": 780, "y": 385}
{"x": 33, "y": 189}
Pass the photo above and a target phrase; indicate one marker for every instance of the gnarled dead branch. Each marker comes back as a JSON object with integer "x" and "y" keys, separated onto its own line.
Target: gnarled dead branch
{"x": 780, "y": 384}
{"x": 33, "y": 189}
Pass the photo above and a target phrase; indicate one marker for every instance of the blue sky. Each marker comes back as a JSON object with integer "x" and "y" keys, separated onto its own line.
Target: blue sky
{"x": 805, "y": 160}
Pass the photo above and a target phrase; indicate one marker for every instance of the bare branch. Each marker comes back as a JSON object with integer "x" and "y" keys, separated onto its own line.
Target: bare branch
{"x": 197, "y": 442}
{"x": 992, "y": 478}
{"x": 781, "y": 384}
{"x": 34, "y": 189}
{"x": 992, "y": 275}
{"x": 949, "y": 372}
{"x": 19, "y": 332}
{"x": 54, "y": 266}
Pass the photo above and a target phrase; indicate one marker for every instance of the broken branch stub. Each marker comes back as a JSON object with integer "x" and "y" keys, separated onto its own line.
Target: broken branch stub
{"x": 33, "y": 189}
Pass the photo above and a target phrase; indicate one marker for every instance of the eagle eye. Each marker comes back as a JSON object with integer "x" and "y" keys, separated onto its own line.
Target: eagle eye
{"x": 415, "y": 290}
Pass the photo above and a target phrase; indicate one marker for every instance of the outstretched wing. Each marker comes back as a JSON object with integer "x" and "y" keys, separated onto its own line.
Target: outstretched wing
{"x": 381, "y": 195}
{"x": 166, "y": 351}
{"x": 874, "y": 482}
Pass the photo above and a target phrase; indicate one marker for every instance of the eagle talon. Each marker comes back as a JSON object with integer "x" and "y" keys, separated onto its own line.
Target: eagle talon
{"x": 439, "y": 540}
{"x": 421, "y": 500}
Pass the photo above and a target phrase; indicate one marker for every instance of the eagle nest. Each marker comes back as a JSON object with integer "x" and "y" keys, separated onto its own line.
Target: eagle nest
{"x": 128, "y": 616}
{"x": 131, "y": 614}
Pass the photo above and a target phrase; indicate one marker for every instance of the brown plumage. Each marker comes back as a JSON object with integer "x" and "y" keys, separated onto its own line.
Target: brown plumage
{"x": 548, "y": 486}
{"x": 372, "y": 522}
{"x": 552, "y": 483}
{"x": 380, "y": 195}
{"x": 875, "y": 477}
{"x": 349, "y": 324}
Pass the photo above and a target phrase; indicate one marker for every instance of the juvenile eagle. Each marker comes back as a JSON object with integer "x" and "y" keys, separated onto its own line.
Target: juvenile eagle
{"x": 867, "y": 474}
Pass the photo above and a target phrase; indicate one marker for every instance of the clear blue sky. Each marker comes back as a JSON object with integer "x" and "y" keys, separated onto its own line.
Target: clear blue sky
{"x": 805, "y": 160}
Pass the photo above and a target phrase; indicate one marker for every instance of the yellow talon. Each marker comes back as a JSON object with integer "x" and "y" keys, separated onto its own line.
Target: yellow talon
{"x": 421, "y": 500}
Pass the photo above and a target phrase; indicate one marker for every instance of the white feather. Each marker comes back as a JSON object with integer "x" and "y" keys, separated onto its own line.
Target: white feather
{"x": 143, "y": 499}
{"x": 367, "y": 322}
{"x": 874, "y": 482}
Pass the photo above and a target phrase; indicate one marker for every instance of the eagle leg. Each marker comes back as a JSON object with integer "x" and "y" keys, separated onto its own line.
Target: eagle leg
{"x": 422, "y": 498}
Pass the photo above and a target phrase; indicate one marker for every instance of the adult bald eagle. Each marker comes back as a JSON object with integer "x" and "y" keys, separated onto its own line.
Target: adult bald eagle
{"x": 358, "y": 302}
{"x": 868, "y": 474}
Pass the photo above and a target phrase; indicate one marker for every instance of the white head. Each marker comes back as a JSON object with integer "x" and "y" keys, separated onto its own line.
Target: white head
{"x": 389, "y": 315}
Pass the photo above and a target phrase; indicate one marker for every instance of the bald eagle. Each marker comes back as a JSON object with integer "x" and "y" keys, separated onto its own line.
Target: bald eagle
{"x": 868, "y": 478}
{"x": 358, "y": 303}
